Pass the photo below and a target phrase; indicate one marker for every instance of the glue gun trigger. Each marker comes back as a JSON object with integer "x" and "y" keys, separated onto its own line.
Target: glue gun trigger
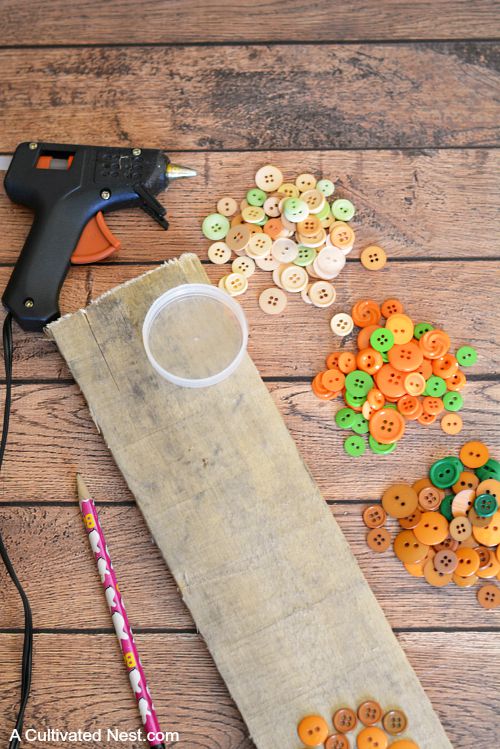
{"x": 96, "y": 242}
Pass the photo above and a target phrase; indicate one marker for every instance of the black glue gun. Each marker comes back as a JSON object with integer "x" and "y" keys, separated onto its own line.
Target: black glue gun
{"x": 69, "y": 188}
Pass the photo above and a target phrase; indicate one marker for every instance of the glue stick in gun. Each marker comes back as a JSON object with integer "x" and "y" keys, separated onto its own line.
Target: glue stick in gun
{"x": 120, "y": 618}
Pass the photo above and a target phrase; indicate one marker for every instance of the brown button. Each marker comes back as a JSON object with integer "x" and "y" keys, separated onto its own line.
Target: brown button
{"x": 378, "y": 539}
{"x": 484, "y": 556}
{"x": 435, "y": 578}
{"x": 400, "y": 500}
{"x": 312, "y": 730}
{"x": 374, "y": 516}
{"x": 344, "y": 720}
{"x": 448, "y": 543}
{"x": 460, "y": 528}
{"x": 429, "y": 498}
{"x": 369, "y": 712}
{"x": 476, "y": 520}
{"x": 489, "y": 596}
{"x": 337, "y": 741}
{"x": 411, "y": 521}
{"x": 395, "y": 722}
{"x": 445, "y": 561}
{"x": 408, "y": 549}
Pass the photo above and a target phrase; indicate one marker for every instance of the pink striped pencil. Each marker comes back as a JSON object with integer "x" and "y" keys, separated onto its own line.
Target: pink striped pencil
{"x": 119, "y": 617}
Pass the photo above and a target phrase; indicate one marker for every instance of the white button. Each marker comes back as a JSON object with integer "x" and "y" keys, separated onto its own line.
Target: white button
{"x": 267, "y": 262}
{"x": 341, "y": 324}
{"x": 322, "y": 294}
{"x": 268, "y": 178}
{"x": 285, "y": 250}
{"x": 243, "y": 265}
{"x": 272, "y": 301}
{"x": 259, "y": 245}
{"x": 219, "y": 253}
{"x": 294, "y": 278}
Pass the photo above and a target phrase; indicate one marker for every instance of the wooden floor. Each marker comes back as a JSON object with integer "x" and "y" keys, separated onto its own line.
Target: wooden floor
{"x": 393, "y": 100}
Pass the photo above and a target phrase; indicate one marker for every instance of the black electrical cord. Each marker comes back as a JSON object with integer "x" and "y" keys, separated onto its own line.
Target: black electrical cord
{"x": 8, "y": 350}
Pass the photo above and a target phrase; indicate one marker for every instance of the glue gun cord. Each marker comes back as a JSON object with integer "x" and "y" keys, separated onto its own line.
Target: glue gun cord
{"x": 28, "y": 626}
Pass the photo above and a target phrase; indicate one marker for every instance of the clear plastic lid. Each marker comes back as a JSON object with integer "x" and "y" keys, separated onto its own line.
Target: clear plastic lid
{"x": 195, "y": 335}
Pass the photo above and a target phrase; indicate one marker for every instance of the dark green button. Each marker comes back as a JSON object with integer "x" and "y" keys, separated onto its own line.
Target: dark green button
{"x": 360, "y": 424}
{"x": 485, "y": 505}
{"x": 344, "y": 418}
{"x": 421, "y": 328}
{"x": 445, "y": 507}
{"x": 379, "y": 448}
{"x": 435, "y": 386}
{"x": 444, "y": 473}
{"x": 355, "y": 445}
{"x": 466, "y": 356}
{"x": 358, "y": 382}
{"x": 382, "y": 339}
{"x": 490, "y": 470}
{"x": 453, "y": 401}
{"x": 354, "y": 400}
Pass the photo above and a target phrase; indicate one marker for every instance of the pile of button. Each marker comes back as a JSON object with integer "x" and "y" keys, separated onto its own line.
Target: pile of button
{"x": 450, "y": 523}
{"x": 402, "y": 372}
{"x": 292, "y": 229}
{"x": 313, "y": 730}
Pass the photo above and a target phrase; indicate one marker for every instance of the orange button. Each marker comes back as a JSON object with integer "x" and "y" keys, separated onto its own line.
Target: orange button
{"x": 374, "y": 516}
{"x": 426, "y": 418}
{"x": 468, "y": 561}
{"x": 378, "y": 539}
{"x": 489, "y": 596}
{"x": 445, "y": 367}
{"x": 347, "y": 362}
{"x": 410, "y": 521}
{"x": 387, "y": 426}
{"x": 491, "y": 569}
{"x": 332, "y": 360}
{"x": 312, "y": 730}
{"x": 365, "y": 312}
{"x": 474, "y": 454}
{"x": 451, "y": 423}
{"x": 391, "y": 307}
{"x": 401, "y": 326}
{"x": 434, "y": 577}
{"x": 274, "y": 228}
{"x": 429, "y": 498}
{"x": 414, "y": 383}
{"x": 369, "y": 712}
{"x": 400, "y": 500}
{"x": 333, "y": 380}
{"x": 375, "y": 398}
{"x": 337, "y": 741}
{"x": 489, "y": 536}
{"x": 466, "y": 480}
{"x": 395, "y": 722}
{"x": 435, "y": 344}
{"x": 456, "y": 381}
{"x": 404, "y": 744}
{"x": 489, "y": 486}
{"x": 409, "y": 406}
{"x": 425, "y": 369}
{"x": 372, "y": 738}
{"x": 390, "y": 381}
{"x": 408, "y": 548}
{"x": 432, "y": 405}
{"x": 432, "y": 529}
{"x": 369, "y": 360}
{"x": 363, "y": 339}
{"x": 405, "y": 357}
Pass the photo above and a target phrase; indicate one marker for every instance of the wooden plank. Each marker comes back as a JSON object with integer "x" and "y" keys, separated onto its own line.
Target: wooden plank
{"x": 259, "y": 560}
{"x": 295, "y": 344}
{"x": 213, "y": 98}
{"x": 191, "y": 699}
{"x": 55, "y": 535}
{"x": 416, "y": 204}
{"x": 117, "y": 21}
{"x": 52, "y": 435}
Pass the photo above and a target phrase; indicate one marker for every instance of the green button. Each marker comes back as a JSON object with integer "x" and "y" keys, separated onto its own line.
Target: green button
{"x": 391, "y": 405}
{"x": 344, "y": 418}
{"x": 354, "y": 400}
{"x": 355, "y": 445}
{"x": 358, "y": 382}
{"x": 435, "y": 386}
{"x": 466, "y": 356}
{"x": 453, "y": 401}
{"x": 445, "y": 507}
{"x": 343, "y": 209}
{"x": 490, "y": 470}
{"x": 305, "y": 256}
{"x": 215, "y": 226}
{"x": 444, "y": 473}
{"x": 295, "y": 209}
{"x": 360, "y": 424}
{"x": 379, "y": 448}
{"x": 324, "y": 212}
{"x": 421, "y": 328}
{"x": 256, "y": 196}
{"x": 382, "y": 339}
{"x": 485, "y": 505}
{"x": 326, "y": 186}
{"x": 384, "y": 356}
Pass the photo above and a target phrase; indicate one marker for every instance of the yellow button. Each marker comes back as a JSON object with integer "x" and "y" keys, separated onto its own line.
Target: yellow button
{"x": 401, "y": 327}
{"x": 373, "y": 258}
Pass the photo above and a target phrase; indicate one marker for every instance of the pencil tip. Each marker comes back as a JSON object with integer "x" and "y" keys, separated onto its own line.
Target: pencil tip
{"x": 82, "y": 489}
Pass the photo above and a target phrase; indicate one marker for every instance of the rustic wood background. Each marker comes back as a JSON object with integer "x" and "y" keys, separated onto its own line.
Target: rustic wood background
{"x": 396, "y": 102}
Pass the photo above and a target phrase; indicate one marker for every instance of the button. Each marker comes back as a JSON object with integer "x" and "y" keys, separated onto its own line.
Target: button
{"x": 284, "y": 250}
{"x": 355, "y": 446}
{"x": 382, "y": 339}
{"x": 259, "y": 245}
{"x": 412, "y": 520}
{"x": 319, "y": 389}
{"x": 227, "y": 207}
{"x": 274, "y": 228}
{"x": 215, "y": 226}
{"x": 332, "y": 360}
{"x": 333, "y": 380}
{"x": 295, "y": 209}
{"x": 490, "y": 486}
{"x": 406, "y": 357}
{"x": 269, "y": 178}
{"x": 491, "y": 569}
{"x": 337, "y": 741}
{"x": 400, "y": 500}
{"x": 294, "y": 279}
{"x": 445, "y": 367}
{"x": 462, "y": 502}
{"x": 329, "y": 263}
{"x": 289, "y": 190}
{"x": 238, "y": 238}
{"x": 444, "y": 473}
{"x": 253, "y": 214}
{"x": 474, "y": 454}
{"x": 390, "y": 382}
{"x": 432, "y": 528}
{"x": 369, "y": 360}
{"x": 466, "y": 480}
{"x": 435, "y": 386}
{"x": 341, "y": 324}
{"x": 421, "y": 328}
{"x": 267, "y": 262}
{"x": 404, "y": 744}
{"x": 347, "y": 362}
{"x": 414, "y": 383}
{"x": 465, "y": 582}
{"x": 374, "y": 516}
{"x": 326, "y": 187}
{"x": 272, "y": 301}
{"x": 366, "y": 312}
{"x": 445, "y": 561}
{"x": 373, "y": 258}
{"x": 434, "y": 577}
{"x": 243, "y": 265}
{"x": 343, "y": 209}
{"x": 372, "y": 738}
{"x": 408, "y": 548}
{"x": 310, "y": 226}
{"x": 255, "y": 196}
{"x": 271, "y": 206}
{"x": 219, "y": 253}
{"x": 344, "y": 720}
{"x": 432, "y": 406}
{"x": 490, "y": 535}
{"x": 429, "y": 498}
{"x": 489, "y": 596}
{"x": 453, "y": 401}
{"x": 435, "y": 344}
{"x": 375, "y": 398}
{"x": 322, "y": 294}
{"x": 369, "y": 712}
{"x": 391, "y": 307}
{"x": 380, "y": 449}
{"x": 236, "y": 284}
{"x": 456, "y": 381}
{"x": 344, "y": 418}
{"x": 461, "y": 528}
{"x": 305, "y": 182}
{"x": 451, "y": 423}
{"x": 314, "y": 199}
{"x": 342, "y": 236}
{"x": 485, "y": 505}
{"x": 358, "y": 383}
{"x": 387, "y": 425}
{"x": 468, "y": 561}
{"x": 466, "y": 356}
{"x": 313, "y": 730}
{"x": 401, "y": 326}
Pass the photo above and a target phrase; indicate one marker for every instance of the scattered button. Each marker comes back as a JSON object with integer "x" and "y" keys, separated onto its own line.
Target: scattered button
{"x": 272, "y": 301}
{"x": 373, "y": 258}
{"x": 372, "y": 737}
{"x": 395, "y": 722}
{"x": 344, "y": 720}
{"x": 313, "y": 730}
{"x": 378, "y": 539}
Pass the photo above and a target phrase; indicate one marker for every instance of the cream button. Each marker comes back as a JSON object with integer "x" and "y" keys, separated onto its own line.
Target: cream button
{"x": 285, "y": 250}
{"x": 272, "y": 301}
{"x": 322, "y": 294}
{"x": 243, "y": 265}
{"x": 341, "y": 324}
{"x": 268, "y": 178}
{"x": 219, "y": 253}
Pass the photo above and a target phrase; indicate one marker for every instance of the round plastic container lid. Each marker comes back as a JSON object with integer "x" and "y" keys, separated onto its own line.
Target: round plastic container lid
{"x": 195, "y": 335}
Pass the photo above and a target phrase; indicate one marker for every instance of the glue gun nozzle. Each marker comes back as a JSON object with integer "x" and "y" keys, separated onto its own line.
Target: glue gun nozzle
{"x": 174, "y": 171}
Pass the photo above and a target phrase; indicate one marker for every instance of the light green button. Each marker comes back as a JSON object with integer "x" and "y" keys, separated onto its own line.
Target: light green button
{"x": 325, "y": 212}
{"x": 421, "y": 328}
{"x": 382, "y": 339}
{"x": 354, "y": 400}
{"x": 343, "y": 209}
{"x": 305, "y": 256}
{"x": 379, "y": 448}
{"x": 215, "y": 226}
{"x": 358, "y": 383}
{"x": 256, "y": 196}
{"x": 295, "y": 209}
{"x": 453, "y": 401}
{"x": 435, "y": 386}
{"x": 466, "y": 356}
{"x": 360, "y": 424}
{"x": 344, "y": 418}
{"x": 355, "y": 445}
{"x": 326, "y": 186}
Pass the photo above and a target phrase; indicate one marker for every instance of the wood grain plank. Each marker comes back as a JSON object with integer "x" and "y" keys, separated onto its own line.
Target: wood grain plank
{"x": 118, "y": 22}
{"x": 418, "y": 95}
{"x": 55, "y": 535}
{"x": 416, "y": 204}
{"x": 296, "y": 343}
{"x": 191, "y": 698}
{"x": 52, "y": 436}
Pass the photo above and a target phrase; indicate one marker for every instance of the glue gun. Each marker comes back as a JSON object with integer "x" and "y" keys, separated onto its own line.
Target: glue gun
{"x": 69, "y": 188}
